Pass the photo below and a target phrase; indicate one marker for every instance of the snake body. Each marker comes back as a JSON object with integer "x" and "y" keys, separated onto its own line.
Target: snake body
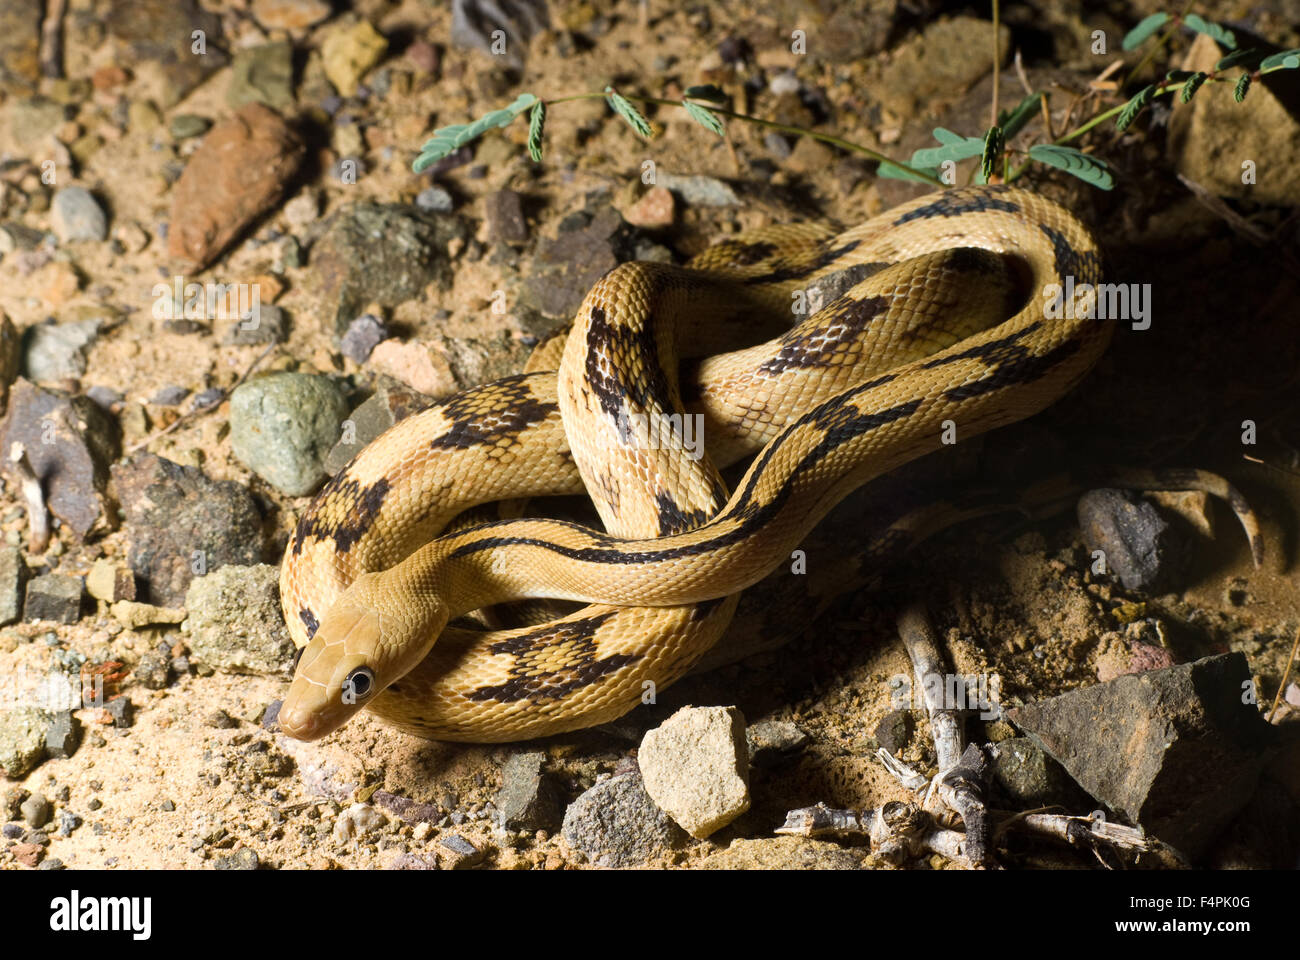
{"x": 938, "y": 319}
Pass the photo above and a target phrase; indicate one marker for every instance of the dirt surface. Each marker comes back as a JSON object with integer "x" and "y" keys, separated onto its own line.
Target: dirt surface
{"x": 1011, "y": 598}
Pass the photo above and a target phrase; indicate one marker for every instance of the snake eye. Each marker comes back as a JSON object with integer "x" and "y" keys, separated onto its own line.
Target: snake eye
{"x": 360, "y": 682}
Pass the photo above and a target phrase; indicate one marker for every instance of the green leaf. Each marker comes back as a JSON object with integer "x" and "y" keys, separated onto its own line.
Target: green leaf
{"x": 955, "y": 147}
{"x": 1013, "y": 121}
{"x": 1191, "y": 86}
{"x": 894, "y": 172}
{"x": 1239, "y": 57}
{"x": 704, "y": 117}
{"x": 446, "y": 140}
{"x": 705, "y": 91}
{"x": 623, "y": 107}
{"x": 1286, "y": 60}
{"x": 1085, "y": 166}
{"x": 993, "y": 144}
{"x": 536, "y": 127}
{"x": 1201, "y": 25}
{"x": 1243, "y": 85}
{"x": 1177, "y": 76}
{"x": 1149, "y": 25}
{"x": 1134, "y": 107}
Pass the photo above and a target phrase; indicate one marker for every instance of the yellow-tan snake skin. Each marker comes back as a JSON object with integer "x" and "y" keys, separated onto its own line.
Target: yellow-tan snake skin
{"x": 935, "y": 311}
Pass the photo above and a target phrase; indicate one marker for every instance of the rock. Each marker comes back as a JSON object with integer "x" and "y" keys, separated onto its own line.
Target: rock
{"x": 17, "y": 236}
{"x": 434, "y": 198}
{"x": 785, "y": 853}
{"x": 698, "y": 191}
{"x": 169, "y": 396}
{"x": 186, "y": 125}
{"x": 407, "y": 809}
{"x": 616, "y": 824}
{"x": 1210, "y": 138}
{"x": 1132, "y": 652}
{"x": 54, "y": 596}
{"x": 457, "y": 853}
{"x": 424, "y": 56}
{"x": 416, "y": 365}
{"x": 362, "y": 336}
{"x": 242, "y": 859}
{"x": 22, "y": 740}
{"x": 586, "y": 248}
{"x": 528, "y": 799}
{"x": 77, "y": 216}
{"x": 57, "y": 351}
{"x": 265, "y": 323}
{"x": 349, "y": 52}
{"x": 385, "y": 408}
{"x": 13, "y": 582}
{"x": 121, "y": 711}
{"x": 36, "y": 811}
{"x": 136, "y": 615}
{"x": 235, "y": 622}
{"x": 164, "y": 32}
{"x": 353, "y": 269}
{"x": 283, "y": 425}
{"x": 1177, "y": 751}
{"x": 1138, "y": 544}
{"x": 68, "y": 822}
{"x": 33, "y": 120}
{"x": 20, "y": 42}
{"x": 772, "y": 740}
{"x": 505, "y": 217}
{"x": 357, "y": 821}
{"x": 1027, "y": 776}
{"x": 293, "y": 15}
{"x": 28, "y": 854}
{"x": 236, "y": 175}
{"x": 153, "y": 671}
{"x": 654, "y": 211}
{"x": 178, "y": 521}
{"x": 474, "y": 25}
{"x": 939, "y": 65}
{"x": 109, "y": 582}
{"x": 695, "y": 767}
{"x": 262, "y": 74}
{"x": 894, "y": 730}
{"x": 62, "y": 735}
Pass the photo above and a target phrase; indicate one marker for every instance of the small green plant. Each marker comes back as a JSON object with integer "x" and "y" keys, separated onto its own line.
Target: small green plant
{"x": 936, "y": 165}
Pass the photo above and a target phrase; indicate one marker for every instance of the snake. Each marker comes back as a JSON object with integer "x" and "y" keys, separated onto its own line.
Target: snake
{"x": 946, "y": 315}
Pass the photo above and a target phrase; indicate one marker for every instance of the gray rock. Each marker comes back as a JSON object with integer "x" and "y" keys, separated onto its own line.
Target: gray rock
{"x": 894, "y": 730}
{"x": 262, "y": 74}
{"x": 242, "y": 859}
{"x": 63, "y": 734}
{"x": 363, "y": 334}
{"x": 153, "y": 670}
{"x": 77, "y": 216}
{"x": 13, "y": 579}
{"x": 381, "y": 253}
{"x": 435, "y": 199}
{"x": 698, "y": 191}
{"x": 54, "y": 596}
{"x": 186, "y": 125}
{"x": 22, "y": 741}
{"x": 181, "y": 523}
{"x": 169, "y": 396}
{"x": 458, "y": 853}
{"x": 587, "y": 246}
{"x": 32, "y": 119}
{"x": 283, "y": 425}
{"x": 616, "y": 824}
{"x": 36, "y": 811}
{"x": 777, "y": 145}
{"x": 160, "y": 33}
{"x": 1136, "y": 540}
{"x": 68, "y": 822}
{"x": 122, "y": 710}
{"x": 528, "y": 799}
{"x": 235, "y": 622}
{"x": 1177, "y": 751}
{"x": 17, "y": 236}
{"x": 505, "y": 217}
{"x": 695, "y": 767}
{"x": 1028, "y": 776}
{"x": 370, "y": 419}
{"x": 56, "y": 351}
{"x": 267, "y": 323}
{"x": 771, "y": 740}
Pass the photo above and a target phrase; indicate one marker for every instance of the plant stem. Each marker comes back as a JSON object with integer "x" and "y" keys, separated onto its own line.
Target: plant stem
{"x": 769, "y": 125}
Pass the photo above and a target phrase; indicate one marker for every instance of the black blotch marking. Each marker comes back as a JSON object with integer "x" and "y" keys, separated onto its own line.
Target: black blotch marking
{"x": 530, "y": 681}
{"x": 1009, "y": 362}
{"x": 1084, "y": 266}
{"x": 512, "y": 409}
{"x": 956, "y": 202}
{"x": 739, "y": 254}
{"x": 838, "y": 323}
{"x": 823, "y": 259}
{"x": 309, "y": 621}
{"x": 673, "y": 519}
{"x": 617, "y": 344}
{"x": 343, "y": 511}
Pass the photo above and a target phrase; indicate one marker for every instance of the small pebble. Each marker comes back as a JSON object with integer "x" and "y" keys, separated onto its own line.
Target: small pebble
{"x": 434, "y": 198}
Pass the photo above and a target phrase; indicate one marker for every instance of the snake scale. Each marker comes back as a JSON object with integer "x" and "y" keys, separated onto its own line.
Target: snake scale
{"x": 935, "y": 317}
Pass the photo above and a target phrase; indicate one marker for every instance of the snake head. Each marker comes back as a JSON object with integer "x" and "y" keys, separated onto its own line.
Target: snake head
{"x": 356, "y": 652}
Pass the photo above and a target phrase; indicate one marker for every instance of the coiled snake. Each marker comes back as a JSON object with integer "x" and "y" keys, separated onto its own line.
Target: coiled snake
{"x": 912, "y": 340}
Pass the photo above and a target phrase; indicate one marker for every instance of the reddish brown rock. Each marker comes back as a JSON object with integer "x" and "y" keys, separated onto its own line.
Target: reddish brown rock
{"x": 652, "y": 211}
{"x": 238, "y": 173}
